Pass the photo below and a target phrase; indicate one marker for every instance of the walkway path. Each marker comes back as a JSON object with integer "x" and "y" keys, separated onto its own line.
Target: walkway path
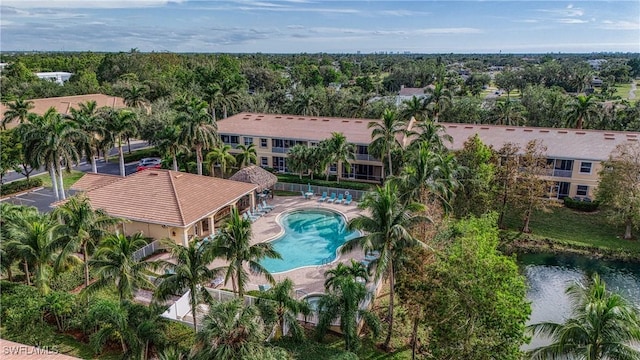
{"x": 632, "y": 92}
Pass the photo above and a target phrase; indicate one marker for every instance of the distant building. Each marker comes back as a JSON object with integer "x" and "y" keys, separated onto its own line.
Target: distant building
{"x": 3, "y": 65}
{"x": 596, "y": 64}
{"x": 407, "y": 93}
{"x": 58, "y": 77}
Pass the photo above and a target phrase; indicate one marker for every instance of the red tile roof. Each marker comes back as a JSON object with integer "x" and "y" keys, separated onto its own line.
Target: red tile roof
{"x": 162, "y": 196}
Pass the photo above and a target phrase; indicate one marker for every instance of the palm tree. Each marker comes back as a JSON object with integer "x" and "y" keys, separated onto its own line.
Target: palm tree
{"x": 229, "y": 96}
{"x": 298, "y": 159}
{"x": 17, "y": 110}
{"x": 187, "y": 271}
{"x": 341, "y": 152}
{"x": 508, "y": 112}
{"x": 603, "y": 325}
{"x": 233, "y": 244}
{"x": 36, "y": 239}
{"x": 122, "y": 124}
{"x": 356, "y": 106}
{"x": 230, "y": 331}
{"x": 247, "y": 155}
{"x": 135, "y": 97}
{"x": 345, "y": 293}
{"x": 196, "y": 127}
{"x": 114, "y": 262}
{"x": 169, "y": 144}
{"x": 287, "y": 308}
{"x": 82, "y": 228}
{"x": 386, "y": 230}
{"x": 432, "y": 134}
{"x": 306, "y": 104}
{"x": 213, "y": 94}
{"x": 50, "y": 139}
{"x": 438, "y": 99}
{"x": 222, "y": 157}
{"x": 580, "y": 110}
{"x": 385, "y": 135}
{"x": 415, "y": 108}
{"x": 92, "y": 125}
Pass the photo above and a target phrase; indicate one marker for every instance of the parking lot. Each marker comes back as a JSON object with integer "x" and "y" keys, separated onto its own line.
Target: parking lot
{"x": 41, "y": 198}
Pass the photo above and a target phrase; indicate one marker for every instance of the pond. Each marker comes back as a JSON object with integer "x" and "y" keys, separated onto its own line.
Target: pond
{"x": 549, "y": 274}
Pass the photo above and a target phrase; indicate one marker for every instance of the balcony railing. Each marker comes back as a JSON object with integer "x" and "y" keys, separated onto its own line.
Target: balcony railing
{"x": 281, "y": 150}
{"x": 560, "y": 173}
{"x": 366, "y": 157}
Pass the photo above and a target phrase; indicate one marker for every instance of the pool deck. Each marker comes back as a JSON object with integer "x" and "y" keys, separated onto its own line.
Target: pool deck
{"x": 308, "y": 279}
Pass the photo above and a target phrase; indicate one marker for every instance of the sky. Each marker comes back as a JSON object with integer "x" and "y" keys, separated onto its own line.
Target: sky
{"x": 315, "y": 26}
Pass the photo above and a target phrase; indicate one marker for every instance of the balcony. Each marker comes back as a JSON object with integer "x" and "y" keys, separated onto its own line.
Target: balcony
{"x": 281, "y": 150}
{"x": 560, "y": 173}
{"x": 366, "y": 157}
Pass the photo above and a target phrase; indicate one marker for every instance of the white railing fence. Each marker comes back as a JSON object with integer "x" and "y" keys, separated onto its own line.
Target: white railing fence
{"x": 357, "y": 195}
{"x": 147, "y": 250}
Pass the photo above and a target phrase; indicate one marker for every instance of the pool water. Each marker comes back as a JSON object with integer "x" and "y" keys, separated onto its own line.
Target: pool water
{"x": 311, "y": 237}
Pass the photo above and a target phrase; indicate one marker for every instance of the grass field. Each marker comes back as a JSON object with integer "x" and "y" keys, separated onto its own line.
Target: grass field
{"x": 67, "y": 178}
{"x": 577, "y": 229}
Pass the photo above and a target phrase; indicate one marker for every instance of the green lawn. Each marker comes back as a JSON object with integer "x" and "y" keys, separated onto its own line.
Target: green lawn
{"x": 67, "y": 178}
{"x": 578, "y": 229}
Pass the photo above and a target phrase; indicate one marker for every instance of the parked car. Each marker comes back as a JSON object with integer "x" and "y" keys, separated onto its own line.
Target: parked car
{"x": 149, "y": 163}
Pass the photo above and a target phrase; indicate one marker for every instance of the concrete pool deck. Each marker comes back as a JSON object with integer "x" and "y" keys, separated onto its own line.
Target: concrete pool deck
{"x": 309, "y": 279}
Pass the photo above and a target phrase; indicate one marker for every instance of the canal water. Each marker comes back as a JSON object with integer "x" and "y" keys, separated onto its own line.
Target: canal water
{"x": 548, "y": 276}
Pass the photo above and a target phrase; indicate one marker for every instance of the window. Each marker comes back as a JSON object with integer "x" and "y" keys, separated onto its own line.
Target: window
{"x": 585, "y": 167}
{"x": 264, "y": 161}
{"x": 280, "y": 163}
{"x": 263, "y": 143}
{"x": 229, "y": 139}
{"x": 248, "y": 141}
{"x": 582, "y": 190}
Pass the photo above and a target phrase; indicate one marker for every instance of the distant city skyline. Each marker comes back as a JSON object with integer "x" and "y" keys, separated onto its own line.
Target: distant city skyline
{"x": 307, "y": 26}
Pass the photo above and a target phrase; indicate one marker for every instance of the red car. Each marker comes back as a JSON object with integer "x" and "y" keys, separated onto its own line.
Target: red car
{"x": 149, "y": 163}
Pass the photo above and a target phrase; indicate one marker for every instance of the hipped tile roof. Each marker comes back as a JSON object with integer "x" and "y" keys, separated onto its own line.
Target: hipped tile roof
{"x": 161, "y": 196}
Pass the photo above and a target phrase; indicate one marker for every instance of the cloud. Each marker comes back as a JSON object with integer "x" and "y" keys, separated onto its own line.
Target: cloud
{"x": 403, "y": 13}
{"x": 86, "y": 4}
{"x": 619, "y": 25}
{"x": 571, "y": 21}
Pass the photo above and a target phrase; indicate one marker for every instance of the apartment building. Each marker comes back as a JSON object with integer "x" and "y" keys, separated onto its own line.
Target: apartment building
{"x": 574, "y": 156}
{"x": 273, "y": 135}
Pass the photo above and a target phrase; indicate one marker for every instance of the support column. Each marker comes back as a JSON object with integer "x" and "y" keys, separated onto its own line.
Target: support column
{"x": 212, "y": 224}
{"x": 185, "y": 238}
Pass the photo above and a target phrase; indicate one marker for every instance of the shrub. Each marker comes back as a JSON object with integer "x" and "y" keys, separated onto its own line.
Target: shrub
{"x": 20, "y": 185}
{"x": 586, "y": 206}
{"x": 289, "y": 178}
{"x": 137, "y": 155}
{"x": 69, "y": 280}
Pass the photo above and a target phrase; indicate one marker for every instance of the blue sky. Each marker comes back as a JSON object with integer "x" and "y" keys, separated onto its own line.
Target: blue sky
{"x": 294, "y": 26}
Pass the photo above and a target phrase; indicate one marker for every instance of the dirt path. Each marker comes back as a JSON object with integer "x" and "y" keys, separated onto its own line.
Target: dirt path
{"x": 632, "y": 92}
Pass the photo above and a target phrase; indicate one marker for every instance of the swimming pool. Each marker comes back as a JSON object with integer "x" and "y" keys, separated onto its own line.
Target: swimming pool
{"x": 311, "y": 237}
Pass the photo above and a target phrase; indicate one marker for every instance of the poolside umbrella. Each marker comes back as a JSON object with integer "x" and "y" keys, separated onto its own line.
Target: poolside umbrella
{"x": 256, "y": 175}
{"x": 308, "y": 184}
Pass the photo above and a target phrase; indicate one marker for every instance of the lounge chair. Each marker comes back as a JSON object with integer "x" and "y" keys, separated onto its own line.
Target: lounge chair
{"x": 332, "y": 198}
{"x": 256, "y": 211}
{"x": 253, "y": 213}
{"x": 267, "y": 207}
{"x": 348, "y": 200}
{"x": 303, "y": 194}
{"x": 217, "y": 281}
{"x": 340, "y": 198}
{"x": 262, "y": 209}
{"x": 264, "y": 287}
{"x": 323, "y": 197}
{"x": 248, "y": 216}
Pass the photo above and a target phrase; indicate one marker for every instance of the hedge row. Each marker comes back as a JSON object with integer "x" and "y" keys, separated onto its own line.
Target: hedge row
{"x": 587, "y": 206}
{"x": 295, "y": 179}
{"x": 20, "y": 185}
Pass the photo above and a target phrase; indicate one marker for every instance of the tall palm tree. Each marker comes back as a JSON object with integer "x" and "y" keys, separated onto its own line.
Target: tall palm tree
{"x": 341, "y": 152}
{"x": 82, "y": 228}
{"x": 220, "y": 156}
{"x": 230, "y": 331}
{"x": 169, "y": 144}
{"x": 17, "y": 110}
{"x": 345, "y": 293}
{"x": 287, "y": 308}
{"x": 603, "y": 325}
{"x": 438, "y": 99}
{"x": 386, "y": 230}
{"x": 36, "y": 239}
{"x": 306, "y": 103}
{"x": 114, "y": 262}
{"x": 187, "y": 271}
{"x": 229, "y": 96}
{"x": 233, "y": 244}
{"x": 580, "y": 110}
{"x": 357, "y": 105}
{"x": 92, "y": 125}
{"x": 385, "y": 136}
{"x": 247, "y": 155}
{"x": 299, "y": 159}
{"x": 196, "y": 127}
{"x": 122, "y": 124}
{"x": 50, "y": 139}
{"x": 213, "y": 94}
